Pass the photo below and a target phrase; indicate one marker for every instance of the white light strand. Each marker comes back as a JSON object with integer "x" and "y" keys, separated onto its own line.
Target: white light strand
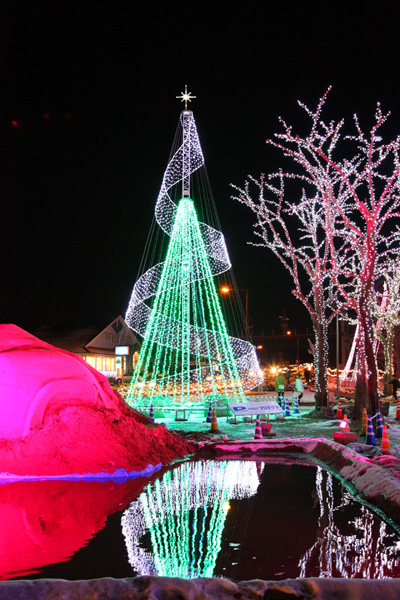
{"x": 348, "y": 551}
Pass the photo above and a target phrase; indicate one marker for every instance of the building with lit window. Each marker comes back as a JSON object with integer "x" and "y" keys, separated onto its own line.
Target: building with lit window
{"x": 109, "y": 351}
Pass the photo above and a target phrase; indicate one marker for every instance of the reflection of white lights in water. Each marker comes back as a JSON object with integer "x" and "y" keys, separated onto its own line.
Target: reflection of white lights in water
{"x": 185, "y": 514}
{"x": 354, "y": 554}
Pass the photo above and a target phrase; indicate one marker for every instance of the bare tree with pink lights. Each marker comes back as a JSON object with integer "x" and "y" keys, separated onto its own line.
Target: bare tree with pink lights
{"x": 341, "y": 228}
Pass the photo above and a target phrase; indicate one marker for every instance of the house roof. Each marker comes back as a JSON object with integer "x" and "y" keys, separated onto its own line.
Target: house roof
{"x": 85, "y": 340}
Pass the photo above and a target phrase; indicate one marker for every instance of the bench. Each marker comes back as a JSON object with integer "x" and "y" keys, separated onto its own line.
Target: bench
{"x": 182, "y": 414}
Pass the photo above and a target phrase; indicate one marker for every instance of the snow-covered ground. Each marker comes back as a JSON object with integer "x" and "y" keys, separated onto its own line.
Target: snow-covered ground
{"x": 153, "y": 588}
{"x": 295, "y": 426}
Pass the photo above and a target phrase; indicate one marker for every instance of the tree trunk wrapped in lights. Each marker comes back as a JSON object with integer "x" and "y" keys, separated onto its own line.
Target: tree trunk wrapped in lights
{"x": 357, "y": 201}
{"x": 187, "y": 354}
{"x": 387, "y": 313}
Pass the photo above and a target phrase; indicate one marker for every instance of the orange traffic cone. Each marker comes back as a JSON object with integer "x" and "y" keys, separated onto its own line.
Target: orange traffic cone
{"x": 214, "y": 423}
{"x": 398, "y": 411}
{"x": 346, "y": 427}
{"x": 339, "y": 413}
{"x": 364, "y": 422}
{"x": 385, "y": 448}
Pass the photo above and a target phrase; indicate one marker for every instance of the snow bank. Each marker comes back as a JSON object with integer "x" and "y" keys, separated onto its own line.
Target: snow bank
{"x": 60, "y": 417}
{"x": 86, "y": 440}
{"x": 35, "y": 376}
{"x": 153, "y": 588}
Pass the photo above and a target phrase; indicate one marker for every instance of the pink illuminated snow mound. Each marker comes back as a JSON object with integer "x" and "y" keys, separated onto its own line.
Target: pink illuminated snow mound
{"x": 35, "y": 376}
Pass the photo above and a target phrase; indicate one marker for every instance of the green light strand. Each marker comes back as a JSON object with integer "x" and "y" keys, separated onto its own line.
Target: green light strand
{"x": 196, "y": 509}
{"x": 161, "y": 301}
{"x": 187, "y": 317}
{"x": 206, "y": 501}
{"x": 214, "y": 535}
{"x": 153, "y": 530}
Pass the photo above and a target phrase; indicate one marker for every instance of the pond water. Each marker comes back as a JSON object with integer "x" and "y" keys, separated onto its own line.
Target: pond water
{"x": 238, "y": 519}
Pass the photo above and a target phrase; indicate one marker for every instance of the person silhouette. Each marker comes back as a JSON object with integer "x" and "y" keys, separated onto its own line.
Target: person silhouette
{"x": 395, "y": 383}
{"x": 280, "y": 386}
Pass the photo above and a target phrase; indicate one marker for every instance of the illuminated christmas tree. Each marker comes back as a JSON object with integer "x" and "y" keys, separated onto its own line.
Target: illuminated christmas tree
{"x": 187, "y": 354}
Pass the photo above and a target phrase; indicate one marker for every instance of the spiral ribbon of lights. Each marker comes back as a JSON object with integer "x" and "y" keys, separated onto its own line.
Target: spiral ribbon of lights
{"x": 139, "y": 314}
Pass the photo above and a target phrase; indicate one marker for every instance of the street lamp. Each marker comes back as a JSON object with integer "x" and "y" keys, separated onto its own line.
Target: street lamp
{"x": 227, "y": 290}
{"x": 337, "y": 359}
{"x": 284, "y": 323}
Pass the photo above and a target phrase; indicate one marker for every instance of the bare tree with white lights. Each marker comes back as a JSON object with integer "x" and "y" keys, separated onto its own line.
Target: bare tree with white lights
{"x": 356, "y": 201}
{"x": 294, "y": 232}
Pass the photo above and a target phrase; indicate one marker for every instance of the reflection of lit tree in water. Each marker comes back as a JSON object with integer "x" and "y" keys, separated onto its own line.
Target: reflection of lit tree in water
{"x": 363, "y": 552}
{"x": 185, "y": 515}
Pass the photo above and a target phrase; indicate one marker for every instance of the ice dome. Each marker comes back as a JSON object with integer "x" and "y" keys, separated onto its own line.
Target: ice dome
{"x": 35, "y": 376}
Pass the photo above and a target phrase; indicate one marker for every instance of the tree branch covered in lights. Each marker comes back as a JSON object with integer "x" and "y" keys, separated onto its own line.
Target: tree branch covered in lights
{"x": 303, "y": 250}
{"x": 347, "y": 212}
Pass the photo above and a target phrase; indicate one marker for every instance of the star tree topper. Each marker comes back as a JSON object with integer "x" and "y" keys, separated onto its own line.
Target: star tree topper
{"x": 186, "y": 97}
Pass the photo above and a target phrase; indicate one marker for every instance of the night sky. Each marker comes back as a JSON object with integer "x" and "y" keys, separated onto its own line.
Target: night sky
{"x": 88, "y": 113}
